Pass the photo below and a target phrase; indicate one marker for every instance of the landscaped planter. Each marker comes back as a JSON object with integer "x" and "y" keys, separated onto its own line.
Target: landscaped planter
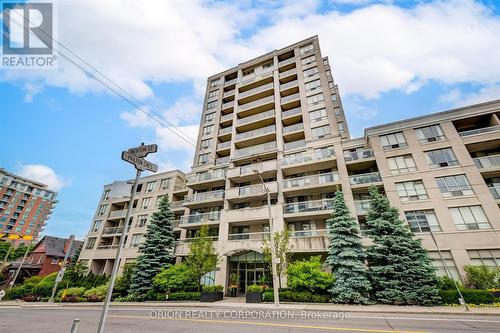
{"x": 254, "y": 297}
{"x": 211, "y": 296}
{"x": 233, "y": 292}
{"x": 496, "y": 293}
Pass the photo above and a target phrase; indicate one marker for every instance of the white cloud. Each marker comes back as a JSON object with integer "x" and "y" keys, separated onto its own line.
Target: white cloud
{"x": 459, "y": 98}
{"x": 30, "y": 91}
{"x": 44, "y": 174}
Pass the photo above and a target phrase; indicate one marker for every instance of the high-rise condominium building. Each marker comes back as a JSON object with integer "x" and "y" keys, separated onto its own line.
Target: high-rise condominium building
{"x": 280, "y": 117}
{"x": 25, "y": 205}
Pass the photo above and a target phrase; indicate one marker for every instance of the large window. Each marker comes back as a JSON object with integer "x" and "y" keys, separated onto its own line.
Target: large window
{"x": 306, "y": 48}
{"x": 317, "y": 115}
{"x": 340, "y": 126}
{"x": 142, "y": 220}
{"x": 481, "y": 257}
{"x": 321, "y": 132}
{"x": 136, "y": 240}
{"x": 311, "y": 72}
{"x": 208, "y": 129}
{"x": 393, "y": 141}
{"x": 444, "y": 264}
{"x": 211, "y": 105}
{"x": 469, "y": 218}
{"x": 97, "y": 225}
{"x": 441, "y": 158}
{"x": 150, "y": 186}
{"x": 213, "y": 93}
{"x": 308, "y": 60}
{"x": 102, "y": 209}
{"x": 146, "y": 202}
{"x": 203, "y": 159}
{"x": 214, "y": 83}
{"x": 165, "y": 183}
{"x": 430, "y": 134}
{"x": 411, "y": 190}
{"x": 401, "y": 164}
{"x": 313, "y": 85}
{"x": 209, "y": 116}
{"x": 205, "y": 143}
{"x": 90, "y": 243}
{"x": 422, "y": 220}
{"x": 315, "y": 99}
{"x": 452, "y": 186}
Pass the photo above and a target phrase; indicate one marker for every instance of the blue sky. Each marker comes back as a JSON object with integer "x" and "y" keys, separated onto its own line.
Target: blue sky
{"x": 391, "y": 59}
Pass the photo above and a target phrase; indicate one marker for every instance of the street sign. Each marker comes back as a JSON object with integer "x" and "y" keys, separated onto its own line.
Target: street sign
{"x": 139, "y": 162}
{"x": 143, "y": 150}
{"x": 15, "y": 236}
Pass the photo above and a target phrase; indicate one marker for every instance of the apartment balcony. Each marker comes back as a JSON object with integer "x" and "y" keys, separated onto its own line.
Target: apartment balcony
{"x": 478, "y": 131}
{"x": 248, "y": 236}
{"x": 203, "y": 198}
{"x": 362, "y": 206}
{"x": 229, "y": 93}
{"x": 227, "y": 106}
{"x": 182, "y": 246}
{"x": 308, "y": 241}
{"x": 290, "y": 98}
{"x": 177, "y": 205}
{"x": 365, "y": 178}
{"x": 118, "y": 214}
{"x": 230, "y": 82}
{"x": 289, "y": 85}
{"x": 224, "y": 146}
{"x": 212, "y": 177}
{"x": 257, "y": 120}
{"x": 304, "y": 162}
{"x": 358, "y": 155}
{"x": 200, "y": 218}
{"x": 287, "y": 62}
{"x": 226, "y": 119}
{"x": 225, "y": 133}
{"x": 265, "y": 148}
{"x": 263, "y": 89}
{"x": 294, "y": 132}
{"x": 112, "y": 230}
{"x": 175, "y": 223}
{"x": 236, "y": 193}
{"x": 308, "y": 208}
{"x": 256, "y": 77}
{"x": 287, "y": 146}
{"x": 107, "y": 246}
{"x": 264, "y": 168}
{"x": 253, "y": 214}
{"x": 260, "y": 135}
{"x": 260, "y": 104}
{"x": 291, "y": 114}
{"x": 330, "y": 179}
{"x": 288, "y": 73}
{"x": 222, "y": 160}
{"x": 488, "y": 164}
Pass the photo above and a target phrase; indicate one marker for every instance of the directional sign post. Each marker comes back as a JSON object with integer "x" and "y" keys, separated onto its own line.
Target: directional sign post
{"x": 134, "y": 156}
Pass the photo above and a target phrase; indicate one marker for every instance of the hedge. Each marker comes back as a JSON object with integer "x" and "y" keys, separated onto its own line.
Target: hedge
{"x": 212, "y": 289}
{"x": 297, "y": 296}
{"x": 184, "y": 296}
{"x": 471, "y": 296}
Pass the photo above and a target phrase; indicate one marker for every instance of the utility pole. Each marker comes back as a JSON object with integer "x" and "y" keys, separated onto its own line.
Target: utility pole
{"x": 11, "y": 283}
{"x": 60, "y": 274}
{"x": 134, "y": 156}
{"x": 6, "y": 255}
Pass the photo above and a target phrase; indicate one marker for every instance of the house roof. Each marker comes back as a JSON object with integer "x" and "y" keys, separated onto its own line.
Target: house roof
{"x": 54, "y": 246}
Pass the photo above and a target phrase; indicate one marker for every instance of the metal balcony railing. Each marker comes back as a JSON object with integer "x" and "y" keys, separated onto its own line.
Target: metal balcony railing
{"x": 258, "y": 236}
{"x": 200, "y": 218}
{"x": 487, "y": 161}
{"x": 365, "y": 178}
{"x": 307, "y": 157}
{"x": 215, "y": 174}
{"x": 255, "y": 149}
{"x": 308, "y": 206}
{"x": 293, "y": 128}
{"x": 256, "y": 132}
{"x": 292, "y": 112}
{"x": 256, "y": 117}
{"x": 294, "y": 145}
{"x": 479, "y": 130}
{"x": 317, "y": 179}
{"x": 112, "y": 230}
{"x": 259, "y": 102}
{"x": 202, "y": 196}
{"x": 358, "y": 154}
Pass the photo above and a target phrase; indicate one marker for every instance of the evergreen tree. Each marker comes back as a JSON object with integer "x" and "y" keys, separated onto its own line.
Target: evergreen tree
{"x": 400, "y": 268}
{"x": 156, "y": 251}
{"x": 346, "y": 256}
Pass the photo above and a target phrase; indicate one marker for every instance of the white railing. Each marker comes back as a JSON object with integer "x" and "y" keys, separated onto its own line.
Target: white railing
{"x": 259, "y": 102}
{"x": 255, "y": 149}
{"x": 200, "y": 218}
{"x": 255, "y": 117}
{"x": 248, "y": 236}
{"x": 358, "y": 154}
{"x": 202, "y": 196}
{"x": 256, "y": 132}
{"x": 256, "y": 90}
{"x": 307, "y": 157}
{"x": 362, "y": 206}
{"x": 480, "y": 130}
{"x": 215, "y": 174}
{"x": 294, "y": 145}
{"x": 322, "y": 178}
{"x": 487, "y": 161}
{"x": 291, "y": 112}
{"x": 289, "y": 98}
{"x": 252, "y": 189}
{"x": 365, "y": 178}
{"x": 293, "y": 128}
{"x": 308, "y": 206}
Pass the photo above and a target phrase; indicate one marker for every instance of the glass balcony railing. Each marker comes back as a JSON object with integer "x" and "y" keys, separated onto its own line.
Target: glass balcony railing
{"x": 203, "y": 196}
{"x": 224, "y": 145}
{"x": 365, "y": 178}
{"x": 255, "y": 149}
{"x": 226, "y": 117}
{"x": 252, "y": 189}
{"x": 255, "y": 133}
{"x": 307, "y": 157}
{"x": 256, "y": 117}
{"x": 288, "y": 73}
{"x": 222, "y": 160}
{"x": 256, "y": 90}
{"x": 176, "y": 205}
{"x": 290, "y": 98}
{"x": 225, "y": 130}
{"x": 495, "y": 191}
{"x": 358, "y": 154}
{"x": 201, "y": 218}
{"x": 230, "y": 82}
{"x": 290, "y": 84}
{"x": 294, "y": 145}
{"x": 227, "y": 105}
{"x": 262, "y": 101}
{"x": 215, "y": 174}
{"x": 287, "y": 61}
{"x": 487, "y": 161}
{"x": 479, "y": 130}
{"x": 362, "y": 206}
{"x": 293, "y": 128}
{"x": 257, "y": 236}
{"x": 107, "y": 247}
{"x": 308, "y": 206}
{"x": 292, "y": 112}
{"x": 317, "y": 179}
{"x": 307, "y": 233}
{"x": 175, "y": 223}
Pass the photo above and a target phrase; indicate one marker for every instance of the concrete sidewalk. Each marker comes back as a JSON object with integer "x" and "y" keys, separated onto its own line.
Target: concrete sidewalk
{"x": 227, "y": 303}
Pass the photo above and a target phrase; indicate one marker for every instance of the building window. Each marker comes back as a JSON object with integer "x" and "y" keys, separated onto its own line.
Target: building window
{"x": 211, "y": 105}
{"x": 439, "y": 262}
{"x": 441, "y": 158}
{"x": 469, "y": 218}
{"x": 202, "y": 159}
{"x": 90, "y": 243}
{"x": 401, "y": 164}
{"x": 214, "y": 83}
{"x": 337, "y": 112}
{"x": 213, "y": 93}
{"x": 308, "y": 60}
{"x": 315, "y": 99}
{"x": 393, "y": 141}
{"x": 313, "y": 85}
{"x": 430, "y": 134}
{"x": 247, "y": 72}
{"x": 268, "y": 65}
{"x": 146, "y": 202}
{"x": 453, "y": 186}
{"x": 150, "y": 186}
{"x": 102, "y": 209}
{"x": 205, "y": 143}
{"x": 317, "y": 115}
{"x": 97, "y": 225}
{"x": 490, "y": 258}
{"x": 341, "y": 127}
{"x": 411, "y": 190}
{"x": 54, "y": 261}
{"x": 136, "y": 240}
{"x": 106, "y": 195}
{"x": 165, "y": 183}
{"x": 208, "y": 130}
{"x": 209, "y": 117}
{"x": 334, "y": 96}
{"x": 306, "y": 48}
{"x": 311, "y": 72}
{"x": 422, "y": 220}
{"x": 142, "y": 220}
{"x": 320, "y": 132}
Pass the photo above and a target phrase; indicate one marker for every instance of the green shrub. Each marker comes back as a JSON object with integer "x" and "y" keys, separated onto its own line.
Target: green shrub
{"x": 307, "y": 275}
{"x": 184, "y": 296}
{"x": 96, "y": 294}
{"x": 17, "y": 292}
{"x": 123, "y": 282}
{"x": 255, "y": 288}
{"x": 212, "y": 289}
{"x": 446, "y": 283}
{"x": 44, "y": 287}
{"x": 482, "y": 277}
{"x": 297, "y": 296}
{"x": 471, "y": 296}
{"x": 76, "y": 291}
{"x": 33, "y": 279}
{"x": 128, "y": 298}
{"x": 175, "y": 278}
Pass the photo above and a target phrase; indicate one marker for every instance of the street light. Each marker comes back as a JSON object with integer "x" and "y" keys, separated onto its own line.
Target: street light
{"x": 274, "y": 261}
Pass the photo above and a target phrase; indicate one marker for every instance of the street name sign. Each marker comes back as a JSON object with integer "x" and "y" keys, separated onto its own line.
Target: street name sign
{"x": 143, "y": 150}
{"x": 139, "y": 162}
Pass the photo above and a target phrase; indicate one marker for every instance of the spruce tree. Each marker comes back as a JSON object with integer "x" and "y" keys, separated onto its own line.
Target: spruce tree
{"x": 346, "y": 256}
{"x": 400, "y": 269}
{"x": 156, "y": 251}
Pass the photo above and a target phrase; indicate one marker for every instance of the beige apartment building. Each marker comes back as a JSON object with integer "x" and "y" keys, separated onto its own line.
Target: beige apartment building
{"x": 280, "y": 117}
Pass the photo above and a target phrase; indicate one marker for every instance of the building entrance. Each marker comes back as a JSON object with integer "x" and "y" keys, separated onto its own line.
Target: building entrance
{"x": 248, "y": 268}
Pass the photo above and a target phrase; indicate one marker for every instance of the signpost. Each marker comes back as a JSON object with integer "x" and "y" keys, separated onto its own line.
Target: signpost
{"x": 60, "y": 274}
{"x": 134, "y": 156}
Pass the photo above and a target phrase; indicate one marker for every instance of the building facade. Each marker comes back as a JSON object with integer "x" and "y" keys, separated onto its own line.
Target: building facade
{"x": 280, "y": 117}
{"x": 25, "y": 205}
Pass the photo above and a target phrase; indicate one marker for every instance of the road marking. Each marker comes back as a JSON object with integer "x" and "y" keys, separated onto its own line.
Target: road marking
{"x": 256, "y": 323}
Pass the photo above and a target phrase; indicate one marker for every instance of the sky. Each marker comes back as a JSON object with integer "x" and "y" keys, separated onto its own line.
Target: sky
{"x": 391, "y": 60}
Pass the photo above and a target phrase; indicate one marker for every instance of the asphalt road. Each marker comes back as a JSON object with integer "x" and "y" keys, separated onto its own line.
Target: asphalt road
{"x": 208, "y": 320}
